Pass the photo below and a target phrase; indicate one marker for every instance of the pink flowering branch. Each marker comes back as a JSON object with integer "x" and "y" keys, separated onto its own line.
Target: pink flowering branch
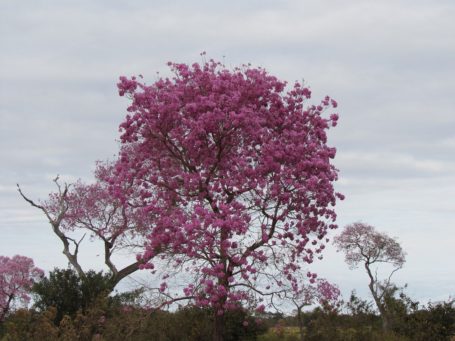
{"x": 61, "y": 207}
{"x": 93, "y": 208}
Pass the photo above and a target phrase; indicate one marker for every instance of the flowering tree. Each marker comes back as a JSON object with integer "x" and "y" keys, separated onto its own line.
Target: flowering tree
{"x": 94, "y": 209}
{"x": 317, "y": 291}
{"x": 237, "y": 171}
{"x": 17, "y": 275}
{"x": 362, "y": 244}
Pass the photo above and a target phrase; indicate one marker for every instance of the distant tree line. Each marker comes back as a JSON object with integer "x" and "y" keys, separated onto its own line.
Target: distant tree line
{"x": 68, "y": 307}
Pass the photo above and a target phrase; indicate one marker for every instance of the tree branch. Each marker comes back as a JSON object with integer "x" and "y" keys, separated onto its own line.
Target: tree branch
{"x": 55, "y": 223}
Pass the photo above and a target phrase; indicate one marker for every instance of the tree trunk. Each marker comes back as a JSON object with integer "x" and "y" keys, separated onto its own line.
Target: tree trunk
{"x": 377, "y": 300}
{"x": 382, "y": 312}
{"x": 5, "y": 309}
{"x": 385, "y": 320}
{"x": 218, "y": 330}
{"x": 219, "y": 327}
{"x": 300, "y": 319}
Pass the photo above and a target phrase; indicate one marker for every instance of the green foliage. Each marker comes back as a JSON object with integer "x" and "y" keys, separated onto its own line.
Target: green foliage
{"x": 61, "y": 290}
{"x": 106, "y": 321}
{"x": 30, "y": 325}
{"x": 408, "y": 322}
{"x": 69, "y": 293}
{"x": 281, "y": 333}
{"x": 436, "y": 322}
{"x": 106, "y": 318}
{"x": 357, "y": 306}
{"x": 194, "y": 324}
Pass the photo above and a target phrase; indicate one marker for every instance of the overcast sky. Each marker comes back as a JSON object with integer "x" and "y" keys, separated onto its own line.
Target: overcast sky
{"x": 390, "y": 64}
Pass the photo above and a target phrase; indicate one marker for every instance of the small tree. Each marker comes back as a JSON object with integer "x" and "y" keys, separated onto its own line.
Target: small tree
{"x": 64, "y": 290}
{"x": 362, "y": 244}
{"x": 317, "y": 291}
{"x": 17, "y": 275}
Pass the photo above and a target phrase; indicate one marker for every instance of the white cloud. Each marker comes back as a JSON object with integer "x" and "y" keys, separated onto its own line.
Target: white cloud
{"x": 389, "y": 164}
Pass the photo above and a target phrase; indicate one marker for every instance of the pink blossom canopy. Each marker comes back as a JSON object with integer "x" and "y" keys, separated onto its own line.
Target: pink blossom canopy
{"x": 235, "y": 168}
{"x": 17, "y": 275}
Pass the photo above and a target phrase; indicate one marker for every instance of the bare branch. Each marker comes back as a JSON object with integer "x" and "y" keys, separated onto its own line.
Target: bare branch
{"x": 55, "y": 223}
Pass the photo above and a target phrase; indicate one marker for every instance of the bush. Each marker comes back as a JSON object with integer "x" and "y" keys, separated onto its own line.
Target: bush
{"x": 69, "y": 293}
{"x": 30, "y": 325}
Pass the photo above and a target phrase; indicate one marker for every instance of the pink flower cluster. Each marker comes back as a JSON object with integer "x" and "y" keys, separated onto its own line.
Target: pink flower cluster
{"x": 98, "y": 208}
{"x": 17, "y": 275}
